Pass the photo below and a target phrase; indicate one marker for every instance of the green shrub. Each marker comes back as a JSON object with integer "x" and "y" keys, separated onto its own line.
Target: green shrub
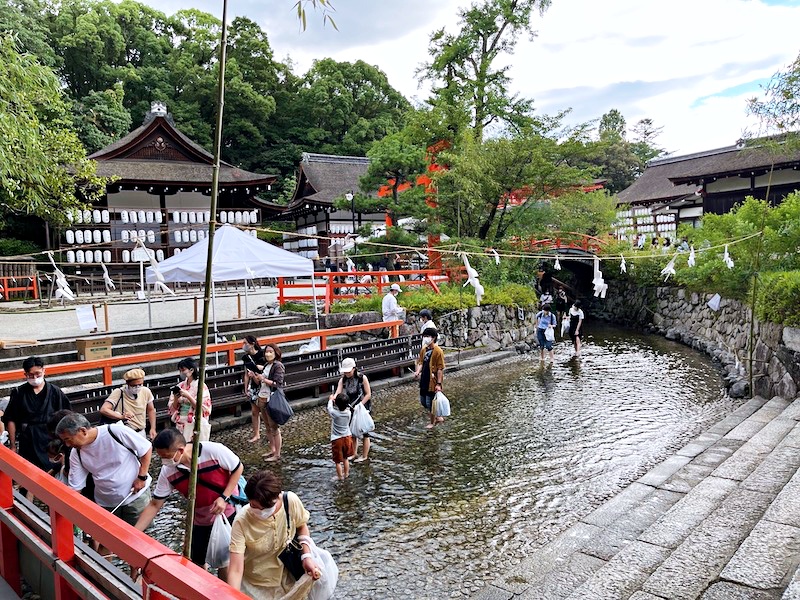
{"x": 300, "y": 307}
{"x": 12, "y": 247}
{"x": 779, "y": 298}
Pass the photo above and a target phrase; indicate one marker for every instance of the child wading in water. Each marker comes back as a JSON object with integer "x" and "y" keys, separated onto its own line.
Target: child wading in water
{"x": 341, "y": 441}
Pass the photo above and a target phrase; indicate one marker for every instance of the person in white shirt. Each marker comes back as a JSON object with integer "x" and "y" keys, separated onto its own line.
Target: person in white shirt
{"x": 391, "y": 310}
{"x": 426, "y": 317}
{"x": 118, "y": 459}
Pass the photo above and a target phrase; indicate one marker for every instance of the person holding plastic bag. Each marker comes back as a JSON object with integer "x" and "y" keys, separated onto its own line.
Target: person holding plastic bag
{"x": 260, "y": 534}
{"x": 341, "y": 436}
{"x": 545, "y": 331}
{"x": 430, "y": 372}
{"x": 356, "y": 386}
{"x": 218, "y": 475}
{"x": 576, "y": 318}
{"x": 272, "y": 377}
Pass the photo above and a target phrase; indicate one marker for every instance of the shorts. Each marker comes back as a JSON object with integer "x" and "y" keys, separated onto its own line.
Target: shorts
{"x": 341, "y": 448}
{"x": 201, "y": 535}
{"x": 130, "y": 512}
{"x": 426, "y": 400}
{"x": 544, "y": 344}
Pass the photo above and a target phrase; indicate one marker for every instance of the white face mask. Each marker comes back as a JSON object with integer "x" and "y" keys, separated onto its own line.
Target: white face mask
{"x": 264, "y": 513}
{"x": 426, "y": 341}
{"x": 133, "y": 390}
{"x": 37, "y": 381}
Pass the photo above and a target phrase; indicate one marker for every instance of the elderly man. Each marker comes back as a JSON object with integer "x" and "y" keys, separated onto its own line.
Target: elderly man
{"x": 28, "y": 410}
{"x": 132, "y": 404}
{"x": 391, "y": 310}
{"x": 118, "y": 459}
{"x": 218, "y": 475}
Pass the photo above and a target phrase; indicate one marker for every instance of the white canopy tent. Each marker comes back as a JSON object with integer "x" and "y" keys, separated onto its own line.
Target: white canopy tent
{"x": 235, "y": 256}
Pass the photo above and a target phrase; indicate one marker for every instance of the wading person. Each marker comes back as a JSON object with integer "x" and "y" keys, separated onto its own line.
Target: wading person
{"x": 545, "y": 328}
{"x": 356, "y": 386}
{"x": 118, "y": 460}
{"x": 430, "y": 372}
{"x": 132, "y": 404}
{"x": 271, "y": 378}
{"x": 260, "y": 533}
{"x": 254, "y": 362}
{"x": 183, "y": 402}
{"x": 29, "y": 408}
{"x": 341, "y": 436}
{"x": 218, "y": 472}
{"x": 576, "y": 317}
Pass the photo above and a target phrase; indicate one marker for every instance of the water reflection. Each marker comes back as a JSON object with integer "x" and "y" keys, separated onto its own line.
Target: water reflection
{"x": 529, "y": 450}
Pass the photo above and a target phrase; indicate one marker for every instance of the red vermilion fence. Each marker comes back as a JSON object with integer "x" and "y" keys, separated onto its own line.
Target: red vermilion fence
{"x": 166, "y": 574}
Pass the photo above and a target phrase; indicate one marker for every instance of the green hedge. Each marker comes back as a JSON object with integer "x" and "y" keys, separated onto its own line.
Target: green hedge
{"x": 779, "y": 298}
{"x": 452, "y": 297}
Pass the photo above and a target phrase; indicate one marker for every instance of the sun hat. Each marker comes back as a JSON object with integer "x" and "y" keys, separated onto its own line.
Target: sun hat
{"x": 396, "y": 287}
{"x": 348, "y": 364}
{"x": 133, "y": 374}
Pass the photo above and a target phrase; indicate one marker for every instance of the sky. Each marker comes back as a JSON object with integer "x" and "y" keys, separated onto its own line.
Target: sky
{"x": 689, "y": 65}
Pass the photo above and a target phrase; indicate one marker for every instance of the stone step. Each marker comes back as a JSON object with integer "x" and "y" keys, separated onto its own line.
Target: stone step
{"x": 641, "y": 540}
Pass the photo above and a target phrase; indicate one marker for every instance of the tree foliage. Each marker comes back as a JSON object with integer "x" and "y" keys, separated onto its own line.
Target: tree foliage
{"x": 779, "y": 109}
{"x": 43, "y": 166}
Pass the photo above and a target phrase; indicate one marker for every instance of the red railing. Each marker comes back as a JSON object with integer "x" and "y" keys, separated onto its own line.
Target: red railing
{"x": 11, "y": 285}
{"x": 229, "y": 348}
{"x": 336, "y": 287}
{"x": 166, "y": 574}
{"x": 564, "y": 241}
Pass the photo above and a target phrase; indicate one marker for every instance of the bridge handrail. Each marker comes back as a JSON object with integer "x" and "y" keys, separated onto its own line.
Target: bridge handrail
{"x": 106, "y": 364}
{"x": 160, "y": 566}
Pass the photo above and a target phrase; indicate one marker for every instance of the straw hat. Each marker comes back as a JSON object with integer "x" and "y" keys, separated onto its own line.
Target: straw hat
{"x": 133, "y": 374}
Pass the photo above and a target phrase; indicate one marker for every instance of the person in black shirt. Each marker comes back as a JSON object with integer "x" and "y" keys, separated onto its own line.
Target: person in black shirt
{"x": 254, "y": 362}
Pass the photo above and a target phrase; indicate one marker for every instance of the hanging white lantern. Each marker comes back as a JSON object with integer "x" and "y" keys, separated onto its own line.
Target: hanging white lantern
{"x": 192, "y": 236}
{"x": 107, "y": 256}
{"x": 185, "y": 235}
{"x": 151, "y": 237}
{"x": 192, "y": 217}
{"x": 70, "y": 236}
{"x": 97, "y": 236}
{"x": 87, "y": 236}
{"x": 79, "y": 256}
{"x": 123, "y": 216}
{"x": 201, "y": 235}
{"x": 176, "y": 251}
{"x": 133, "y": 216}
{"x": 88, "y": 256}
{"x": 87, "y": 216}
{"x": 177, "y": 235}
{"x": 223, "y": 217}
{"x": 104, "y": 216}
{"x": 237, "y": 218}
{"x": 141, "y": 216}
{"x": 98, "y": 256}
{"x": 70, "y": 256}
{"x": 159, "y": 255}
{"x": 207, "y": 216}
{"x": 126, "y": 256}
{"x": 79, "y": 216}
{"x": 159, "y": 217}
{"x": 106, "y": 236}
{"x": 149, "y": 216}
{"x": 125, "y": 235}
{"x": 231, "y": 217}
{"x": 176, "y": 217}
{"x": 246, "y": 218}
{"x": 184, "y": 217}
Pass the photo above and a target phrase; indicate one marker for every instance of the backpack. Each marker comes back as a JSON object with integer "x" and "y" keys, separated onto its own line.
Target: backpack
{"x": 552, "y": 318}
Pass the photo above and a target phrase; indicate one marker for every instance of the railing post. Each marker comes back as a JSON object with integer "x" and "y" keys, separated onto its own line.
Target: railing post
{"x": 280, "y": 291}
{"x": 323, "y": 342}
{"x": 63, "y": 544}
{"x": 328, "y": 295}
{"x": 231, "y": 356}
{"x": 107, "y": 376}
{"x": 394, "y": 331}
{"x": 9, "y": 552}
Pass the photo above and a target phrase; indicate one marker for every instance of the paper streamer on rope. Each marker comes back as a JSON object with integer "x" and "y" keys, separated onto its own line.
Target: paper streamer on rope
{"x": 669, "y": 269}
{"x": 64, "y": 292}
{"x": 472, "y": 279}
{"x": 496, "y": 256}
{"x": 160, "y": 283}
{"x": 727, "y": 258}
{"x": 107, "y": 278}
{"x": 623, "y": 267}
{"x": 691, "y": 260}
{"x": 557, "y": 265}
{"x": 600, "y": 286}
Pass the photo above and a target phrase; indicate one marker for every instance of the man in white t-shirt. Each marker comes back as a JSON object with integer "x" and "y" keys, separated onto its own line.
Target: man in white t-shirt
{"x": 118, "y": 459}
{"x": 391, "y": 310}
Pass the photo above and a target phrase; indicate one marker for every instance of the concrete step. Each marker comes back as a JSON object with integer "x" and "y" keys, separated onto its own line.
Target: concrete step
{"x": 701, "y": 515}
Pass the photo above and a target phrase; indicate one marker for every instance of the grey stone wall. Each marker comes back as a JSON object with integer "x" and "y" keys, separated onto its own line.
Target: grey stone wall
{"x": 724, "y": 335}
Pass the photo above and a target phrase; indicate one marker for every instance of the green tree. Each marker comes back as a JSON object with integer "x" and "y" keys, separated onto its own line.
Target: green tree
{"x": 612, "y": 126}
{"x": 463, "y": 65}
{"x": 100, "y": 118}
{"x": 779, "y": 109}
{"x": 43, "y": 166}
{"x": 23, "y": 19}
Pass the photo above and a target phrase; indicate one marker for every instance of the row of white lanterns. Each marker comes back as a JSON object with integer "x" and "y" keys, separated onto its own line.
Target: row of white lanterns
{"x": 178, "y": 216}
{"x": 104, "y": 256}
{"x": 88, "y": 236}
{"x": 297, "y": 245}
{"x": 341, "y": 228}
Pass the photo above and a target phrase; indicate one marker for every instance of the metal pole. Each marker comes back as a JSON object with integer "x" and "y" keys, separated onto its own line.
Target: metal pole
{"x": 192, "y": 496}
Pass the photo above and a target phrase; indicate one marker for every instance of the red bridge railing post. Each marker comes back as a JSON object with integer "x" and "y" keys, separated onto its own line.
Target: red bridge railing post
{"x": 9, "y": 551}
{"x": 63, "y": 544}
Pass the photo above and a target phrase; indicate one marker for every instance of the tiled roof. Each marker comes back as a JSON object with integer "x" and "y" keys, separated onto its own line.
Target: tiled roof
{"x": 330, "y": 177}
{"x": 178, "y": 172}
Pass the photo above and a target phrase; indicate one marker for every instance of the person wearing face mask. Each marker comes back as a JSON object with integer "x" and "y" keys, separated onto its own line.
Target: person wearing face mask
{"x": 132, "y": 404}
{"x": 254, "y": 361}
{"x": 260, "y": 534}
{"x": 29, "y": 408}
{"x": 356, "y": 386}
{"x": 183, "y": 402}
{"x": 218, "y": 472}
{"x": 430, "y": 372}
{"x": 270, "y": 379}
{"x": 426, "y": 320}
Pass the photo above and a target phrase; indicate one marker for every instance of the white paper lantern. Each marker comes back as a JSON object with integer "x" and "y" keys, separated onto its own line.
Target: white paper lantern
{"x": 107, "y": 256}
{"x": 151, "y": 237}
{"x": 254, "y": 233}
{"x": 223, "y": 217}
{"x": 192, "y": 217}
{"x": 87, "y": 236}
{"x": 159, "y": 255}
{"x": 70, "y": 256}
{"x": 79, "y": 256}
{"x": 141, "y": 234}
{"x": 254, "y": 216}
{"x": 87, "y": 216}
{"x": 79, "y": 216}
{"x": 70, "y": 235}
{"x": 126, "y": 256}
{"x": 104, "y": 216}
{"x": 123, "y": 216}
{"x": 207, "y": 216}
{"x": 231, "y": 217}
{"x": 106, "y": 236}
{"x": 201, "y": 234}
{"x": 88, "y": 256}
{"x": 185, "y": 235}
{"x": 246, "y": 218}
{"x": 125, "y": 236}
{"x": 159, "y": 217}
{"x": 237, "y": 218}
{"x": 176, "y": 217}
{"x": 149, "y": 217}
{"x": 98, "y": 256}
{"x": 97, "y": 236}
{"x": 184, "y": 217}
{"x": 176, "y": 251}
{"x": 177, "y": 235}
{"x": 193, "y": 236}
{"x": 133, "y": 216}
{"x": 141, "y": 216}
{"x": 96, "y": 217}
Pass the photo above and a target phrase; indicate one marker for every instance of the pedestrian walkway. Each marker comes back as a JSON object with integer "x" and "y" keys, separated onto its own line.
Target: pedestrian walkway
{"x": 718, "y": 520}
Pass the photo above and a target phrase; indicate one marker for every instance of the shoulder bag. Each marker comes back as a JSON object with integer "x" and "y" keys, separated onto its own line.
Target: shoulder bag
{"x": 104, "y": 420}
{"x": 291, "y": 555}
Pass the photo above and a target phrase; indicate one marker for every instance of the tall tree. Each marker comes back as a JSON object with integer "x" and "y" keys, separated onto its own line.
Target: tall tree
{"x": 463, "y": 65}
{"x": 43, "y": 166}
{"x": 100, "y": 118}
{"x": 779, "y": 109}
{"x": 23, "y": 19}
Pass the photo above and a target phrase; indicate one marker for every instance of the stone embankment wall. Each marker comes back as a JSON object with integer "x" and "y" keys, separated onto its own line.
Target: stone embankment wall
{"x": 724, "y": 335}
{"x": 492, "y": 327}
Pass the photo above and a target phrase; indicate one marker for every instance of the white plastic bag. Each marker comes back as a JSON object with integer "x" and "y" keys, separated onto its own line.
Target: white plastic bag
{"x": 325, "y": 586}
{"x": 218, "y": 553}
{"x": 441, "y": 405}
{"x": 565, "y": 326}
{"x": 550, "y": 334}
{"x": 361, "y": 422}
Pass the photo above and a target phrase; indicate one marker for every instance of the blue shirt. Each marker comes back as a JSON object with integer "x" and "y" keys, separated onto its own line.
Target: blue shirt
{"x": 543, "y": 321}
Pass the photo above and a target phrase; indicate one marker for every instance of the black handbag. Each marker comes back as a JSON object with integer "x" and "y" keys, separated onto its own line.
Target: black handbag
{"x": 291, "y": 555}
{"x": 278, "y": 407}
{"x": 104, "y": 420}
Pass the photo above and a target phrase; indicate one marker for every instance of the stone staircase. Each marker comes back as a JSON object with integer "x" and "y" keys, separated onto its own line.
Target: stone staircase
{"x": 720, "y": 519}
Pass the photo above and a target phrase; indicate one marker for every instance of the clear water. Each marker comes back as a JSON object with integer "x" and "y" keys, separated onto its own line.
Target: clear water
{"x": 527, "y": 452}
